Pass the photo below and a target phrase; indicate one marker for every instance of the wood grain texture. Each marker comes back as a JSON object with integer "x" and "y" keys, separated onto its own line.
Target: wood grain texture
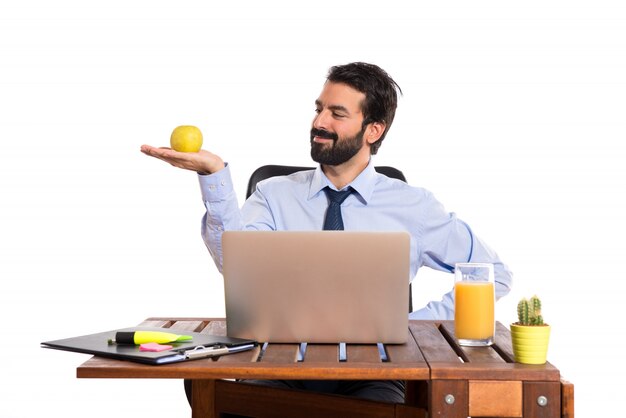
{"x": 484, "y": 381}
{"x": 268, "y": 402}
{"x": 202, "y": 394}
{"x": 215, "y": 328}
{"x": 567, "y": 399}
{"x": 489, "y": 398}
{"x": 431, "y": 342}
{"x": 405, "y": 353}
{"x": 440, "y": 390}
{"x": 552, "y": 393}
{"x": 321, "y": 353}
{"x": 361, "y": 353}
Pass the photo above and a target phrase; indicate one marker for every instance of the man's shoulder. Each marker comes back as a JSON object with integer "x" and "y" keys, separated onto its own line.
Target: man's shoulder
{"x": 384, "y": 181}
{"x": 287, "y": 181}
{"x": 401, "y": 191}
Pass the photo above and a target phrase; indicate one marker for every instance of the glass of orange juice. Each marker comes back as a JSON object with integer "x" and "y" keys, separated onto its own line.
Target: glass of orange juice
{"x": 474, "y": 304}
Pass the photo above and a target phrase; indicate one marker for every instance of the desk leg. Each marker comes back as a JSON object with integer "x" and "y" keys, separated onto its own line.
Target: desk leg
{"x": 567, "y": 399}
{"x": 415, "y": 400}
{"x": 203, "y": 399}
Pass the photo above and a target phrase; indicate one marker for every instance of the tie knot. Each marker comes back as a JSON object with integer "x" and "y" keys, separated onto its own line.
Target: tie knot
{"x": 337, "y": 197}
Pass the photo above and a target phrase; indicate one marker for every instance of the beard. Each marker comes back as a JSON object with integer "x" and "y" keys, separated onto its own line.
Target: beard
{"x": 340, "y": 151}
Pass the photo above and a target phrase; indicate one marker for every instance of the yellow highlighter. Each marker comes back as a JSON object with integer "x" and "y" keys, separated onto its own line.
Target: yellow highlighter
{"x": 142, "y": 337}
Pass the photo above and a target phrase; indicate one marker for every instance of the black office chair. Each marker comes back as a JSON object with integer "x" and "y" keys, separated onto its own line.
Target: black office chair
{"x": 268, "y": 171}
{"x": 271, "y": 170}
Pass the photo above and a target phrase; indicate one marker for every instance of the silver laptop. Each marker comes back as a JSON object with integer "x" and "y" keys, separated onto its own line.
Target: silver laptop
{"x": 317, "y": 286}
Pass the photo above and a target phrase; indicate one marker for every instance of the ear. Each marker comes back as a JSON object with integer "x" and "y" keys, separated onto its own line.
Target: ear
{"x": 374, "y": 131}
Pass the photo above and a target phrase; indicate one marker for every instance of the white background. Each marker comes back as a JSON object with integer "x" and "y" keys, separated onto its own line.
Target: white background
{"x": 513, "y": 114}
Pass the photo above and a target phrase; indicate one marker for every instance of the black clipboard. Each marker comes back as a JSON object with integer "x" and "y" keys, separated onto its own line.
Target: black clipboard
{"x": 202, "y": 346}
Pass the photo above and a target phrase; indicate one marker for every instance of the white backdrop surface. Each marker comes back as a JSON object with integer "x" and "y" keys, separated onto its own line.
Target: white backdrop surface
{"x": 513, "y": 114}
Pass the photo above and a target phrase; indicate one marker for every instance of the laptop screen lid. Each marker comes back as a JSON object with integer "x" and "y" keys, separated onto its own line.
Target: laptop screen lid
{"x": 317, "y": 286}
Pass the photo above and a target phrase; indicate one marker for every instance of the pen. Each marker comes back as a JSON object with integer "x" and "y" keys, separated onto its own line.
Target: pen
{"x": 202, "y": 351}
{"x": 142, "y": 337}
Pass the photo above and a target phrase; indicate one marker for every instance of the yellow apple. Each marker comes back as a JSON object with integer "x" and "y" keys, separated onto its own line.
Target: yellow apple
{"x": 186, "y": 138}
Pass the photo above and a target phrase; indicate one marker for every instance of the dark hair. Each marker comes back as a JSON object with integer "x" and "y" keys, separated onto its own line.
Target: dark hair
{"x": 379, "y": 88}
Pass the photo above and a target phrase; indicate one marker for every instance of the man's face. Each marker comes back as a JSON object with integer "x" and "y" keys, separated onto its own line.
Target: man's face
{"x": 337, "y": 131}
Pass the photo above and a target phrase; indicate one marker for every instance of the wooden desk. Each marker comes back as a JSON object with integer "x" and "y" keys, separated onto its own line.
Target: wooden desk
{"x": 442, "y": 377}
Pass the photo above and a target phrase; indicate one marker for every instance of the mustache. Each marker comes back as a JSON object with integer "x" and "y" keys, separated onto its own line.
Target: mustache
{"x": 323, "y": 134}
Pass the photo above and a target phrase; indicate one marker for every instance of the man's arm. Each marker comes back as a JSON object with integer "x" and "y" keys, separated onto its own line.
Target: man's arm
{"x": 220, "y": 200}
{"x": 446, "y": 240}
{"x": 222, "y": 211}
{"x": 444, "y": 309}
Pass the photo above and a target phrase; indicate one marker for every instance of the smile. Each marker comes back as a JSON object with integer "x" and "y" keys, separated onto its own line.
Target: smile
{"x": 322, "y": 140}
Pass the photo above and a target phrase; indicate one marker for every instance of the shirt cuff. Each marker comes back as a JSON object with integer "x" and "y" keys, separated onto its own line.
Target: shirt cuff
{"x": 217, "y": 186}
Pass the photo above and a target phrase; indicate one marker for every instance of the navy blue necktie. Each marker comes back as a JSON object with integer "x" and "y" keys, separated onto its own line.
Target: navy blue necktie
{"x": 333, "y": 219}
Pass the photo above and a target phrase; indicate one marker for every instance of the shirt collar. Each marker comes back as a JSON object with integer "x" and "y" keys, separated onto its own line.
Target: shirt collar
{"x": 363, "y": 184}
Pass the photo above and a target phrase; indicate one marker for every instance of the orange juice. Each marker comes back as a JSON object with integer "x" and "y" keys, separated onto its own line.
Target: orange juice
{"x": 474, "y": 311}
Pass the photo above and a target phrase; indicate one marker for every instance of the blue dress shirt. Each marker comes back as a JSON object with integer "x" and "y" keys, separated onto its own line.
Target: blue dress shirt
{"x": 297, "y": 202}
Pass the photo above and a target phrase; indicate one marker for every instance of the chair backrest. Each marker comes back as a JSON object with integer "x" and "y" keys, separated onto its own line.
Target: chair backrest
{"x": 268, "y": 171}
{"x": 272, "y": 170}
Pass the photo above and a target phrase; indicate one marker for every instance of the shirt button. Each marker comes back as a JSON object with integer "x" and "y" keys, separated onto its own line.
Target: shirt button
{"x": 223, "y": 183}
{"x": 212, "y": 187}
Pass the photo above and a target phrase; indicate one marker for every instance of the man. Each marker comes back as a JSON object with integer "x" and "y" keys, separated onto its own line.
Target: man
{"x": 353, "y": 115}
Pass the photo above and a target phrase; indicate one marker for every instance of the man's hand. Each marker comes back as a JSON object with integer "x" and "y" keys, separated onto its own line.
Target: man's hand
{"x": 202, "y": 161}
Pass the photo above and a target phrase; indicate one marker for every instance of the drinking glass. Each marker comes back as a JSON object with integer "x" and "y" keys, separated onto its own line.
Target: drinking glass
{"x": 474, "y": 304}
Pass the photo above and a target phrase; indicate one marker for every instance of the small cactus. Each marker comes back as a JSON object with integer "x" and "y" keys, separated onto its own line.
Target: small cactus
{"x": 529, "y": 311}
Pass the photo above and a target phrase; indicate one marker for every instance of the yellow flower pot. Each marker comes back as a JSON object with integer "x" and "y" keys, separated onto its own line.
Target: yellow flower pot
{"x": 530, "y": 343}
